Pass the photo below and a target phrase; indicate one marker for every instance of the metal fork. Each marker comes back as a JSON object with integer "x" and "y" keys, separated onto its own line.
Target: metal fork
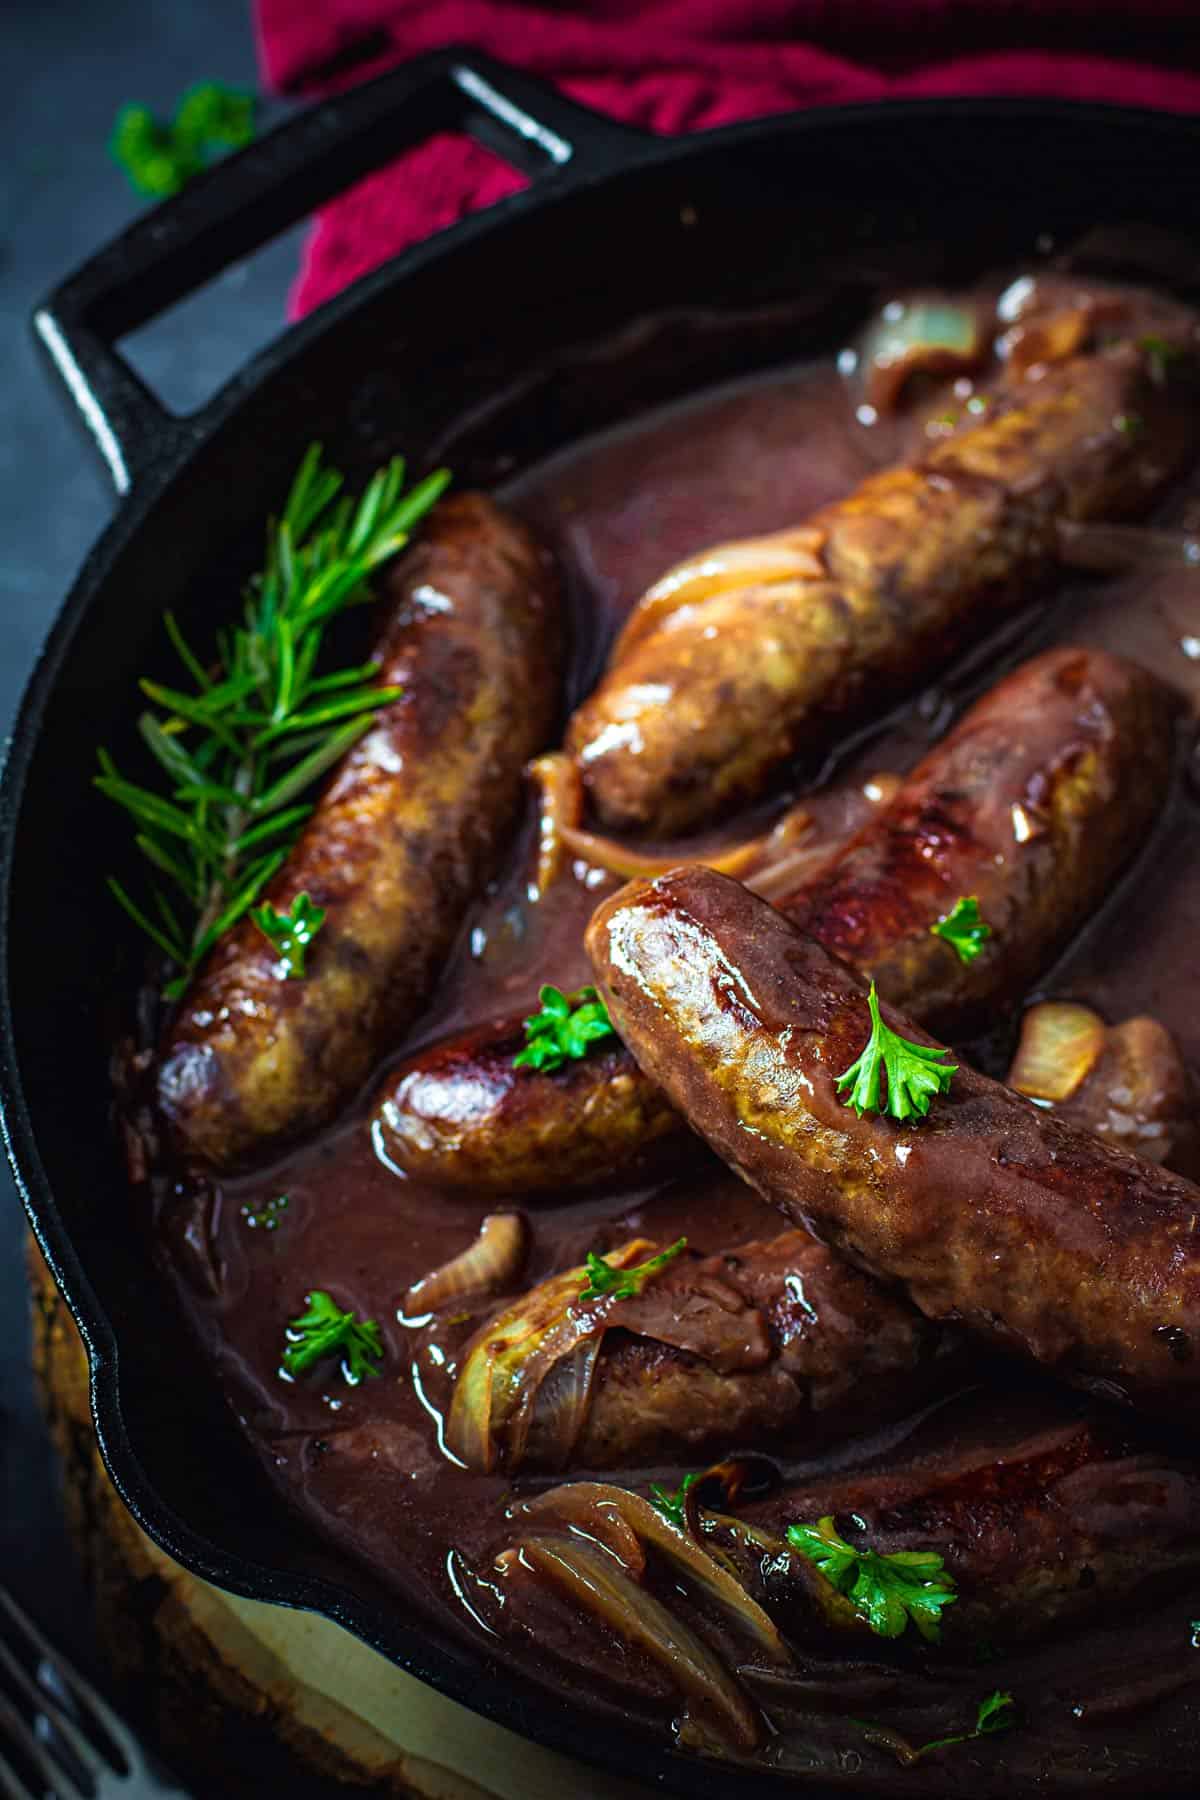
{"x": 58, "y": 1731}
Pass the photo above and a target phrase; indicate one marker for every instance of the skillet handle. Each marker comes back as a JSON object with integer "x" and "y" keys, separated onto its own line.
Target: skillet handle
{"x": 250, "y": 197}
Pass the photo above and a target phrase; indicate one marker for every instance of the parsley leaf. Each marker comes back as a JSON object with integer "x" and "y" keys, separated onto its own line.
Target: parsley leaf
{"x": 671, "y": 1505}
{"x": 915, "y": 1072}
{"x": 1160, "y": 354}
{"x": 995, "y": 1713}
{"x": 623, "y": 1284}
{"x": 887, "y": 1591}
{"x": 325, "y": 1330}
{"x": 565, "y": 1029}
{"x": 963, "y": 928}
{"x": 290, "y": 932}
{"x": 160, "y": 158}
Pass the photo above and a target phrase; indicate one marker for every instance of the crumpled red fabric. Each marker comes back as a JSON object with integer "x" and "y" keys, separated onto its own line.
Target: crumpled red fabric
{"x": 682, "y": 65}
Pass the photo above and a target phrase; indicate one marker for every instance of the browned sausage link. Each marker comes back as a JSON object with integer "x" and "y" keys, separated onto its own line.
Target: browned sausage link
{"x": 846, "y": 1355}
{"x": 706, "y": 703}
{"x": 462, "y": 1115}
{"x": 1033, "y": 805}
{"x": 1031, "y": 1231}
{"x": 1049, "y": 1519}
{"x": 401, "y": 838}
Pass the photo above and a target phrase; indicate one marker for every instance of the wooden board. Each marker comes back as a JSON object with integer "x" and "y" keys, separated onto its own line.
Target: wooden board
{"x": 258, "y": 1699}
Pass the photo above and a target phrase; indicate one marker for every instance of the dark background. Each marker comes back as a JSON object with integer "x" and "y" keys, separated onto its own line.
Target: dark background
{"x": 68, "y": 66}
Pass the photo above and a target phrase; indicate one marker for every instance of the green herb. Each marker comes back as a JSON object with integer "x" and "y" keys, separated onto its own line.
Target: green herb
{"x": 996, "y": 1713}
{"x": 160, "y": 158}
{"x": 565, "y": 1029}
{"x": 887, "y": 1591}
{"x": 1160, "y": 354}
{"x": 1130, "y": 425}
{"x": 325, "y": 1330}
{"x": 963, "y": 928}
{"x": 670, "y": 1505}
{"x": 624, "y": 1284}
{"x": 268, "y": 1215}
{"x": 978, "y": 403}
{"x": 290, "y": 932}
{"x": 1195, "y": 1631}
{"x": 249, "y": 736}
{"x": 915, "y": 1072}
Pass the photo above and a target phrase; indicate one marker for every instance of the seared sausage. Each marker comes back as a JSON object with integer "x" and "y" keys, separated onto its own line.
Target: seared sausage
{"x": 1047, "y": 1520}
{"x": 403, "y": 836}
{"x": 779, "y": 1342}
{"x": 462, "y": 1115}
{"x": 1039, "y": 1237}
{"x": 752, "y": 653}
{"x": 1033, "y": 804}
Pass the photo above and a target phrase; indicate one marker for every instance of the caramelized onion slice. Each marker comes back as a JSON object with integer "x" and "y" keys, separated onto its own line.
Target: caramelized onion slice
{"x": 792, "y": 555}
{"x": 487, "y": 1267}
{"x": 597, "y": 1583}
{"x": 560, "y": 808}
{"x": 507, "y": 1361}
{"x": 1061, "y": 1043}
{"x": 619, "y": 859}
{"x": 920, "y": 334}
{"x": 586, "y": 1504}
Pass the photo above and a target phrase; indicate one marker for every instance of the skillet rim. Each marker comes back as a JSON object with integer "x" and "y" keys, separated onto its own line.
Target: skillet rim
{"x": 510, "y": 1700}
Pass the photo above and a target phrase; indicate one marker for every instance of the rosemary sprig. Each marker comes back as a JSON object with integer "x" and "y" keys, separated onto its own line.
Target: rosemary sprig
{"x": 241, "y": 741}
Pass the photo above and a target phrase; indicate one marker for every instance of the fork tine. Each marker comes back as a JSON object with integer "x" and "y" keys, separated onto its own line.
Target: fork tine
{"x": 44, "y": 1701}
{"x": 94, "y": 1709}
{"x": 21, "y": 1733}
{"x": 10, "y": 1787}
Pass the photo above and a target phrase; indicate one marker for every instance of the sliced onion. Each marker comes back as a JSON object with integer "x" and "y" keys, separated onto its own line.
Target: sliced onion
{"x": 584, "y": 1503}
{"x": 506, "y": 1362}
{"x": 792, "y": 555}
{"x": 920, "y": 334}
{"x": 606, "y": 853}
{"x": 489, "y": 1266}
{"x": 1110, "y": 549}
{"x": 1061, "y": 1043}
{"x": 596, "y": 1582}
{"x": 560, "y": 787}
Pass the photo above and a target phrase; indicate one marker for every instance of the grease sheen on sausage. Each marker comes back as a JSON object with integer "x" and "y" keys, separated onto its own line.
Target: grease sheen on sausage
{"x": 1037, "y": 1236}
{"x": 706, "y": 703}
{"x": 402, "y": 837}
{"x": 1033, "y": 804}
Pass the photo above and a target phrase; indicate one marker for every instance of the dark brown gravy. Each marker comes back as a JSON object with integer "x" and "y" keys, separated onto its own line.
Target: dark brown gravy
{"x": 364, "y": 1463}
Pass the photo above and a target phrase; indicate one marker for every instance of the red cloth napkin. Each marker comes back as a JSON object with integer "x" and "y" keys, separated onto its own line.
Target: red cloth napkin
{"x": 681, "y": 65}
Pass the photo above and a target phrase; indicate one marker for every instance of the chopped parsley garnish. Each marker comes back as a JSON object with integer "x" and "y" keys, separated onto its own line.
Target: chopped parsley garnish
{"x": 915, "y": 1072}
{"x": 160, "y": 158}
{"x": 886, "y": 1591}
{"x": 565, "y": 1029}
{"x": 623, "y": 1284}
{"x": 671, "y": 1505}
{"x": 290, "y": 932}
{"x": 996, "y": 1713}
{"x": 1195, "y": 1631}
{"x": 268, "y": 1216}
{"x": 322, "y": 1330}
{"x": 1129, "y": 424}
{"x": 963, "y": 928}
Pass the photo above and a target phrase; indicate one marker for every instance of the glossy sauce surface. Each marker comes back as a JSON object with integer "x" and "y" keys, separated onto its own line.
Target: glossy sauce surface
{"x": 365, "y": 1464}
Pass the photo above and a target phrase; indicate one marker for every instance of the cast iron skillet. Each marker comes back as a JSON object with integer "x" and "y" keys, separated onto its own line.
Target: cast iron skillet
{"x": 715, "y": 237}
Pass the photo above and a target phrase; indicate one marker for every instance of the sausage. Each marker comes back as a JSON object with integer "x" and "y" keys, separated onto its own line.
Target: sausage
{"x": 779, "y": 1342}
{"x": 1032, "y": 804}
{"x": 1052, "y": 1517}
{"x": 408, "y": 828}
{"x": 1038, "y": 1237}
{"x": 734, "y": 674}
{"x": 461, "y": 1115}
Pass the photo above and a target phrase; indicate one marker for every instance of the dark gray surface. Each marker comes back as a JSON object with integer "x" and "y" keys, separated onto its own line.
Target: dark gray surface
{"x": 69, "y": 65}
